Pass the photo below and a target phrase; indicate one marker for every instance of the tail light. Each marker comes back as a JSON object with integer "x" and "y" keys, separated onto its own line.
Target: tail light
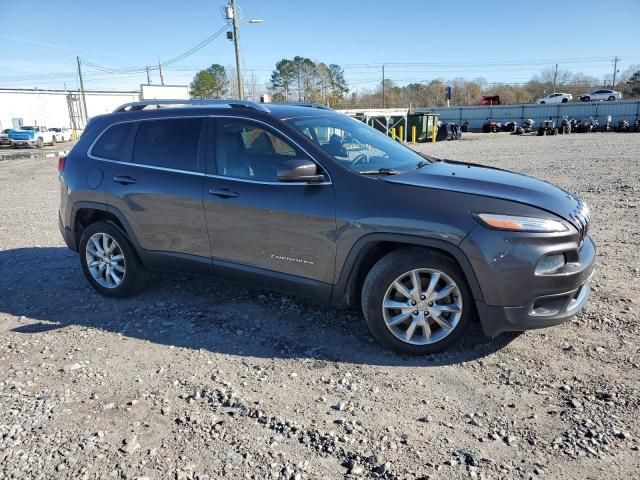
{"x": 61, "y": 162}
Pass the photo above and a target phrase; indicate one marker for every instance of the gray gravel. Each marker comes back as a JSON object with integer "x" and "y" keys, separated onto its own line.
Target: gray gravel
{"x": 198, "y": 378}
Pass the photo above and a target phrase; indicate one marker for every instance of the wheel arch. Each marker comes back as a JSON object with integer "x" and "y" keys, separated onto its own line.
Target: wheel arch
{"x": 370, "y": 248}
{"x": 86, "y": 213}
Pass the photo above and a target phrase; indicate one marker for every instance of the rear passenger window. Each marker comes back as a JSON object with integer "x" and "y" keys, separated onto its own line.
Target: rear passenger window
{"x": 112, "y": 142}
{"x": 171, "y": 143}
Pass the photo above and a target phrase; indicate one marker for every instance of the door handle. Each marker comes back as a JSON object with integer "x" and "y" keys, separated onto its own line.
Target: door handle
{"x": 223, "y": 192}
{"x": 124, "y": 179}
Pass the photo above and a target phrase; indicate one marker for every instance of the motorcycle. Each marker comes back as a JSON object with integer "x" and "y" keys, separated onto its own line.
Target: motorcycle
{"x": 623, "y": 126}
{"x": 510, "y": 127}
{"x": 636, "y": 126}
{"x": 465, "y": 126}
{"x": 565, "y": 126}
{"x": 491, "y": 126}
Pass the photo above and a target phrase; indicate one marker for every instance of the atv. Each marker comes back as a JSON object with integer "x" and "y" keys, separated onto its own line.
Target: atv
{"x": 623, "y": 126}
{"x": 491, "y": 126}
{"x": 547, "y": 127}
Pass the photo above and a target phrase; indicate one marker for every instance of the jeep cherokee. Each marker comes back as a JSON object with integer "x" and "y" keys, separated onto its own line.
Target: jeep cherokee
{"x": 306, "y": 200}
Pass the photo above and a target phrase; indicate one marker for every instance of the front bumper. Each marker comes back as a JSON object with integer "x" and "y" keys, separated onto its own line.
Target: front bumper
{"x": 514, "y": 296}
{"x": 23, "y": 143}
{"x": 541, "y": 312}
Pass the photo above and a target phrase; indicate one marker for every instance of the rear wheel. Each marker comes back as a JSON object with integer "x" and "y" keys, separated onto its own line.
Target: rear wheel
{"x": 109, "y": 261}
{"x": 565, "y": 100}
{"x": 611, "y": 98}
{"x": 417, "y": 301}
{"x": 586, "y": 99}
{"x": 39, "y": 142}
{"x": 53, "y": 140}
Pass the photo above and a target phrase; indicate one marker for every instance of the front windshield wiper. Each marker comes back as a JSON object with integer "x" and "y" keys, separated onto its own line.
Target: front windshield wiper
{"x": 380, "y": 171}
{"x": 423, "y": 163}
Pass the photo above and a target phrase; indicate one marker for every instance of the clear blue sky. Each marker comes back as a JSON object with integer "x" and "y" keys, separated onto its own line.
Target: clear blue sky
{"x": 501, "y": 41}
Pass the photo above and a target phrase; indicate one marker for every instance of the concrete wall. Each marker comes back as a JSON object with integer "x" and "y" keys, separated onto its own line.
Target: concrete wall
{"x": 624, "y": 110}
{"x": 50, "y": 107}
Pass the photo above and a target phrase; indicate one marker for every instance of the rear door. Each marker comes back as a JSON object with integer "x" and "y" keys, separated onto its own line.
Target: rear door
{"x": 256, "y": 221}
{"x": 157, "y": 187}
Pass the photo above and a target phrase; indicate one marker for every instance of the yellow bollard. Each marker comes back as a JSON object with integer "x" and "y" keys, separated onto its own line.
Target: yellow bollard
{"x": 413, "y": 134}
{"x": 434, "y": 133}
{"x": 393, "y": 133}
{"x": 401, "y": 133}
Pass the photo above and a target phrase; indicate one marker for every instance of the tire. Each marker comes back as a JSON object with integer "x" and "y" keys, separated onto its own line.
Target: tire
{"x": 53, "y": 141}
{"x": 542, "y": 103}
{"x": 39, "y": 142}
{"x": 396, "y": 267}
{"x": 611, "y": 98}
{"x": 555, "y": 131}
{"x": 132, "y": 275}
{"x": 586, "y": 99}
{"x": 565, "y": 100}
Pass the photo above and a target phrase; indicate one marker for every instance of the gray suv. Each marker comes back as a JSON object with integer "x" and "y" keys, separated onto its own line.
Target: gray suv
{"x": 299, "y": 198}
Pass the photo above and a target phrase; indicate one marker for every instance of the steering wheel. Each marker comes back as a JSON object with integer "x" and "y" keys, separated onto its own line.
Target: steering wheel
{"x": 360, "y": 159}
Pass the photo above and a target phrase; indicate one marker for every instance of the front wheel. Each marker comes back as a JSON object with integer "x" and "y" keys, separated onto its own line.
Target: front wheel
{"x": 417, "y": 301}
{"x": 39, "y": 142}
{"x": 611, "y": 98}
{"x": 53, "y": 141}
{"x": 109, "y": 261}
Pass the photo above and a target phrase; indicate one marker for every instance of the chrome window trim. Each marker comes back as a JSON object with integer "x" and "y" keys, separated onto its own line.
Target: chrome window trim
{"x": 152, "y": 167}
{"x": 201, "y": 174}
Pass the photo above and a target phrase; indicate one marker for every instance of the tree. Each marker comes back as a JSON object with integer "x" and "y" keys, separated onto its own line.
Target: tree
{"x": 338, "y": 85}
{"x": 282, "y": 78}
{"x": 209, "y": 83}
{"x": 632, "y": 86}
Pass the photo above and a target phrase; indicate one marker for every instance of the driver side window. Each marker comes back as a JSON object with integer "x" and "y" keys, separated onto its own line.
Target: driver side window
{"x": 249, "y": 151}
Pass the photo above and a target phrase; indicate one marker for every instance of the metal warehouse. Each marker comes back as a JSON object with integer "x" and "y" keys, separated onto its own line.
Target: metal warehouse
{"x": 57, "y": 108}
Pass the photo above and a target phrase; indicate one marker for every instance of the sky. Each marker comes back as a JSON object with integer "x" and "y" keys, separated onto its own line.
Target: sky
{"x": 417, "y": 40}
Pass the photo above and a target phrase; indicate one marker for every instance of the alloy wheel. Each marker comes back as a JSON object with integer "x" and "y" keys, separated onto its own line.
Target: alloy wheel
{"x": 105, "y": 260}
{"x": 422, "y": 306}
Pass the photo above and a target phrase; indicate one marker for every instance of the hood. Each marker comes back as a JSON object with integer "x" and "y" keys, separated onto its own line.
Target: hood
{"x": 493, "y": 182}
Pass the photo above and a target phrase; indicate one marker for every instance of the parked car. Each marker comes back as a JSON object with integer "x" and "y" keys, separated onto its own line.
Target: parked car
{"x": 268, "y": 195}
{"x": 4, "y": 137}
{"x": 598, "y": 95}
{"x": 31, "y": 136}
{"x": 555, "y": 98}
{"x": 62, "y": 134}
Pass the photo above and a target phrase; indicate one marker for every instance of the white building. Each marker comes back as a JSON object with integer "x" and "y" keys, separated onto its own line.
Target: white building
{"x": 56, "y": 108}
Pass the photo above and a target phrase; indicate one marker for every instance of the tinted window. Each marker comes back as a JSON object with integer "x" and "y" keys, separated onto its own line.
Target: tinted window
{"x": 246, "y": 150}
{"x": 112, "y": 142}
{"x": 171, "y": 143}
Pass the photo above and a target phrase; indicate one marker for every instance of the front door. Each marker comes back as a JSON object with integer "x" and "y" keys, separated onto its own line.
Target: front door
{"x": 256, "y": 221}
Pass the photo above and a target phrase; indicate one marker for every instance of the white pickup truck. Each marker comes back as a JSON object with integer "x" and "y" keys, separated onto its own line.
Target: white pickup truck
{"x": 31, "y": 136}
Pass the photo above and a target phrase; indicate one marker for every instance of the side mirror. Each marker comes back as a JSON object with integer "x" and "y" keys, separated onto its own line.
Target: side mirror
{"x": 299, "y": 170}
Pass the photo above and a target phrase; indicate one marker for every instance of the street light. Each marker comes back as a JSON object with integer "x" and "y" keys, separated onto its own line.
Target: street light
{"x": 232, "y": 14}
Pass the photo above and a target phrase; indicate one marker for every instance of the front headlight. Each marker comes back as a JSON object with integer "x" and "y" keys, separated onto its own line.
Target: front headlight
{"x": 520, "y": 224}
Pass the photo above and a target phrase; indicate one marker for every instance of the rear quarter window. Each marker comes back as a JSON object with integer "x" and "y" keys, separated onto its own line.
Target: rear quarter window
{"x": 112, "y": 143}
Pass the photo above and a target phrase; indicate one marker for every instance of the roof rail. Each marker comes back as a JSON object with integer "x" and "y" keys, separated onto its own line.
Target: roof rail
{"x": 305, "y": 104}
{"x": 134, "y": 106}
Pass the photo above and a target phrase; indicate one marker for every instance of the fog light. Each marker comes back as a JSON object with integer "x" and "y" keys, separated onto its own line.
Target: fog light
{"x": 550, "y": 263}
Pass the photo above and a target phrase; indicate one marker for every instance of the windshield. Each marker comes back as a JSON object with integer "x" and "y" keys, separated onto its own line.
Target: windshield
{"x": 357, "y": 145}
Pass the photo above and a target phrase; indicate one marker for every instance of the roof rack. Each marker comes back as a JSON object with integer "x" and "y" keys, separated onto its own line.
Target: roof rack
{"x": 134, "y": 106}
{"x": 306, "y": 104}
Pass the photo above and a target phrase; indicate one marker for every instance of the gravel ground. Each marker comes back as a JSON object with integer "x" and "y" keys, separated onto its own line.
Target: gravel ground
{"x": 198, "y": 378}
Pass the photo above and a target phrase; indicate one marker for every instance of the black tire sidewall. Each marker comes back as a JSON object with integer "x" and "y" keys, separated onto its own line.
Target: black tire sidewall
{"x": 391, "y": 267}
{"x": 133, "y": 267}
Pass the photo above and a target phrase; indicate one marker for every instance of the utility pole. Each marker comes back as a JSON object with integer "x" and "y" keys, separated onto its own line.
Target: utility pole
{"x": 148, "y": 79}
{"x": 615, "y": 70}
{"x": 236, "y": 41}
{"x": 160, "y": 68}
{"x": 84, "y": 100}
{"x": 383, "y": 104}
{"x": 555, "y": 77}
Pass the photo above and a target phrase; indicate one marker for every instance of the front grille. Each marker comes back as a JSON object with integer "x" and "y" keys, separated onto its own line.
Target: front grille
{"x": 581, "y": 216}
